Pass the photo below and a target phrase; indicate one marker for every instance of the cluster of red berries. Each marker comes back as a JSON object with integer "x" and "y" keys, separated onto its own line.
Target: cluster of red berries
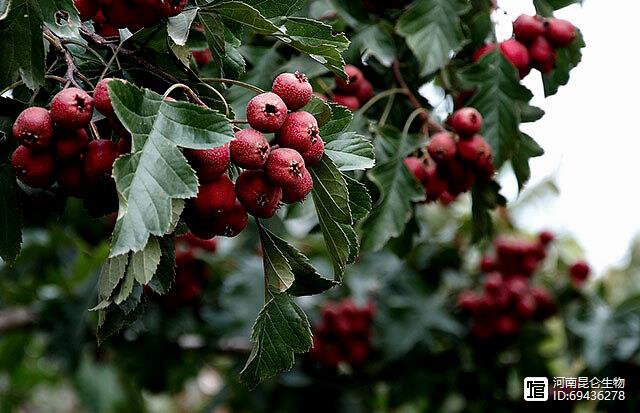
{"x": 508, "y": 299}
{"x": 456, "y": 161}
{"x": 54, "y": 145}
{"x": 272, "y": 174}
{"x": 579, "y": 271}
{"x": 132, "y": 14}
{"x": 353, "y": 93}
{"x": 535, "y": 43}
{"x": 192, "y": 274}
{"x": 343, "y": 335}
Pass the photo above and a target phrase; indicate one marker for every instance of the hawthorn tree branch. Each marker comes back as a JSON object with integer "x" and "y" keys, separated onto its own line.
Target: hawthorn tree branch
{"x": 16, "y": 318}
{"x": 72, "y": 69}
{"x": 424, "y": 113}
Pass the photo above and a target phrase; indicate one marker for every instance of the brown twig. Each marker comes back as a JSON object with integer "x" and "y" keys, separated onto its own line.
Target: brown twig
{"x": 424, "y": 114}
{"x": 16, "y": 318}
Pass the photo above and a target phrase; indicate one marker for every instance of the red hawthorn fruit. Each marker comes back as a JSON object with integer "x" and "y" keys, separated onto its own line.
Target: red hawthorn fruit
{"x": 250, "y": 149}
{"x": 518, "y": 286}
{"x": 348, "y": 101}
{"x": 101, "y": 98}
{"x": 460, "y": 178}
{"x": 473, "y": 149}
{"x": 266, "y": 112}
{"x": 545, "y": 304}
{"x": 258, "y": 196}
{"x": 546, "y": 237}
{"x": 416, "y": 167}
{"x": 467, "y": 300}
{"x": 231, "y": 222}
{"x": 560, "y": 33}
{"x": 99, "y": 159}
{"x": 209, "y": 164}
{"x": 488, "y": 264}
{"x": 446, "y": 198}
{"x": 526, "y": 306}
{"x": 542, "y": 54}
{"x": 493, "y": 282}
{"x": 434, "y": 185}
{"x": 351, "y": 86}
{"x": 122, "y": 13}
{"x": 209, "y": 245}
{"x": 285, "y": 167}
{"x": 33, "y": 128}
{"x": 442, "y": 147}
{"x": 202, "y": 226}
{"x": 36, "y": 169}
{"x": 299, "y": 131}
{"x": 108, "y": 31}
{"x": 124, "y": 146}
{"x": 482, "y": 51}
{"x": 484, "y": 168}
{"x": 214, "y": 197}
{"x": 314, "y": 154}
{"x": 466, "y": 121}
{"x": 71, "y": 144}
{"x": 481, "y": 330}
{"x": 517, "y": 54}
{"x": 71, "y": 108}
{"x": 202, "y": 57}
{"x": 70, "y": 177}
{"x": 364, "y": 92}
{"x": 294, "y": 89}
{"x": 507, "y": 325}
{"x": 87, "y": 9}
{"x": 579, "y": 271}
{"x": 170, "y": 8}
{"x": 299, "y": 192}
{"x": 527, "y": 28}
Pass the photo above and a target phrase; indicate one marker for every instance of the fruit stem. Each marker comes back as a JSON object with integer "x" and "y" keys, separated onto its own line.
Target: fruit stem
{"x": 232, "y": 82}
{"x": 380, "y": 96}
{"x": 72, "y": 70}
{"x": 411, "y": 118}
{"x": 190, "y": 93}
{"x": 20, "y": 82}
{"x": 224, "y": 101}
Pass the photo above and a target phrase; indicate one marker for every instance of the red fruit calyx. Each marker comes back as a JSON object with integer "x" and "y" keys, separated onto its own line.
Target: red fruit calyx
{"x": 72, "y": 108}
{"x": 285, "y": 167}
{"x": 266, "y": 112}
{"x": 299, "y": 131}
{"x": 260, "y": 197}
{"x": 249, "y": 149}
{"x": 298, "y": 192}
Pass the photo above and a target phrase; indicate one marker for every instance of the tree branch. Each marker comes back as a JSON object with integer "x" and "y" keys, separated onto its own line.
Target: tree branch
{"x": 16, "y": 318}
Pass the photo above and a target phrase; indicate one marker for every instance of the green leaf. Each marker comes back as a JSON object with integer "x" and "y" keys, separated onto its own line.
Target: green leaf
{"x": 166, "y": 271}
{"x": 351, "y": 152}
{"x": 22, "y": 46}
{"x": 143, "y": 264}
{"x": 526, "y": 149}
{"x": 499, "y": 96}
{"x": 245, "y": 15}
{"x": 157, "y": 172}
{"x": 432, "y": 30}
{"x": 67, "y": 27}
{"x": 359, "y": 198}
{"x": 270, "y": 8}
{"x": 178, "y": 26}
{"x": 485, "y": 196}
{"x": 110, "y": 275}
{"x": 125, "y": 287}
{"x": 317, "y": 40}
{"x": 377, "y": 42}
{"x": 398, "y": 191}
{"x": 4, "y": 9}
{"x": 277, "y": 271}
{"x": 319, "y": 109}
{"x": 281, "y": 330}
{"x": 10, "y": 214}
{"x": 214, "y": 33}
{"x": 547, "y": 7}
{"x": 113, "y": 319}
{"x": 567, "y": 58}
{"x": 341, "y": 117}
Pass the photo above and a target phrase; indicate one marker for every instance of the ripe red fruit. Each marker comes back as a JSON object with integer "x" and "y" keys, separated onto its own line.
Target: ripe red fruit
{"x": 488, "y": 264}
{"x": 507, "y": 325}
{"x": 124, "y": 146}
{"x": 70, "y": 177}
{"x": 354, "y": 75}
{"x": 517, "y": 54}
{"x": 101, "y": 98}
{"x": 483, "y": 50}
{"x": 364, "y": 92}
{"x": 35, "y": 169}
{"x": 442, "y": 147}
{"x": 542, "y": 54}
{"x": 71, "y": 144}
{"x": 99, "y": 159}
{"x": 285, "y": 167}
{"x": 526, "y": 306}
{"x": 466, "y": 121}
{"x": 170, "y": 8}
{"x": 416, "y": 167}
{"x": 527, "y": 28}
{"x": 71, "y": 108}
{"x": 579, "y": 271}
{"x": 314, "y": 154}
{"x": 459, "y": 176}
{"x": 214, "y": 197}
{"x": 467, "y": 300}
{"x": 348, "y": 101}
{"x": 249, "y": 150}
{"x": 231, "y": 222}
{"x": 202, "y": 57}
{"x": 560, "y": 33}
{"x": 209, "y": 245}
{"x": 546, "y": 237}
{"x": 434, "y": 185}
{"x": 473, "y": 149}
{"x": 87, "y": 9}
{"x": 493, "y": 282}
{"x": 299, "y": 131}
{"x": 33, "y": 128}
{"x": 209, "y": 164}
{"x": 299, "y": 192}
{"x": 266, "y": 112}
{"x": 545, "y": 304}
{"x": 259, "y": 196}
{"x": 202, "y": 226}
{"x": 294, "y": 89}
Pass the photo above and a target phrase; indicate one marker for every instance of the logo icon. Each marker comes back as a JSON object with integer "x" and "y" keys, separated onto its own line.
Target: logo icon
{"x": 536, "y": 389}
